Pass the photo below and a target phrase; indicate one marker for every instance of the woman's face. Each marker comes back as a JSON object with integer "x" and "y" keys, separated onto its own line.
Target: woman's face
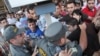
{"x": 17, "y": 16}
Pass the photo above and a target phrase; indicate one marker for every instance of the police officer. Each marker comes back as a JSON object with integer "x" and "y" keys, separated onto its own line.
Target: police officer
{"x": 16, "y": 37}
{"x": 56, "y": 41}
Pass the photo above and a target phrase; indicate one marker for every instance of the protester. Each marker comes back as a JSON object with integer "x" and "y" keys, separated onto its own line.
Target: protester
{"x": 33, "y": 31}
{"x": 90, "y": 10}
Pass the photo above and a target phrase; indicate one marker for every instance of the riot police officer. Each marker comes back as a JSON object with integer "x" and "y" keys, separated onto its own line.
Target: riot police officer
{"x": 56, "y": 41}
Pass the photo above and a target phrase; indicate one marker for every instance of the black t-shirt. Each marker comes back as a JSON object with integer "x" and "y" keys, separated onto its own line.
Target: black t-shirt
{"x": 92, "y": 38}
{"x": 75, "y": 35}
{"x": 93, "y": 41}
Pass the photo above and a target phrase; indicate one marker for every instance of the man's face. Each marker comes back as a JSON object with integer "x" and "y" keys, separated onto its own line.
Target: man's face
{"x": 70, "y": 8}
{"x": 4, "y": 22}
{"x": 91, "y": 4}
{"x": 33, "y": 14}
{"x": 20, "y": 38}
{"x": 62, "y": 41}
{"x": 17, "y": 16}
{"x": 71, "y": 28}
{"x": 29, "y": 15}
{"x": 57, "y": 12}
{"x": 31, "y": 26}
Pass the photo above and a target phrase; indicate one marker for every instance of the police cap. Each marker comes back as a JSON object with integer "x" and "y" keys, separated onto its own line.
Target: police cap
{"x": 55, "y": 31}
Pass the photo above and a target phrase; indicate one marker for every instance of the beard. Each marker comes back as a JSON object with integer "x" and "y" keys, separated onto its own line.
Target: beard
{"x": 91, "y": 8}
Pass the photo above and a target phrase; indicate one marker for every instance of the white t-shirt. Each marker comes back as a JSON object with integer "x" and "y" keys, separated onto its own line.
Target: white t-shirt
{"x": 18, "y": 24}
{"x": 11, "y": 21}
{"x": 53, "y": 19}
{"x": 2, "y": 30}
{"x": 41, "y": 22}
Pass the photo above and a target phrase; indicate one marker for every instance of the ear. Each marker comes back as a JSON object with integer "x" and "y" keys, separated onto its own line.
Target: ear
{"x": 12, "y": 40}
{"x": 80, "y": 16}
{"x": 75, "y": 27}
{"x": 62, "y": 39}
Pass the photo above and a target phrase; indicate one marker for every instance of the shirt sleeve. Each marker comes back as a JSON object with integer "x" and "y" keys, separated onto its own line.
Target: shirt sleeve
{"x": 40, "y": 33}
{"x": 79, "y": 49}
{"x": 27, "y": 32}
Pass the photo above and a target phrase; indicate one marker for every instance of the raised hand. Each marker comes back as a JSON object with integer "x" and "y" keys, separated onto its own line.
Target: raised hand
{"x": 35, "y": 51}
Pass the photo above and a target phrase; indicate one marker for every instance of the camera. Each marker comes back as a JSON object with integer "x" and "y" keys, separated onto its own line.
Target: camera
{"x": 72, "y": 47}
{"x": 74, "y": 51}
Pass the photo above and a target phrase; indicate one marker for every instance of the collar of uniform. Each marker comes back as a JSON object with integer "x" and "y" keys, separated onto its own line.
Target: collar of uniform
{"x": 17, "y": 46}
{"x": 22, "y": 48}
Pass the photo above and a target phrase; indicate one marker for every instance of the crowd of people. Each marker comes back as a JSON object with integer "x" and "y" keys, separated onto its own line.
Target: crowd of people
{"x": 74, "y": 30}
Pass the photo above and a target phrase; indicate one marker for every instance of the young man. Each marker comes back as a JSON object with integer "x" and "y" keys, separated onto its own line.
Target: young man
{"x": 92, "y": 37}
{"x": 3, "y": 22}
{"x": 33, "y": 31}
{"x": 79, "y": 16}
{"x": 56, "y": 16}
{"x": 70, "y": 7}
{"x": 3, "y": 45}
{"x": 11, "y": 18}
{"x": 41, "y": 21}
{"x": 90, "y": 9}
{"x": 74, "y": 30}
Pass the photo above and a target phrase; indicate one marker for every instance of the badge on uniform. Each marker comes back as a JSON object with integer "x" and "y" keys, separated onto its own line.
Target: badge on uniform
{"x": 42, "y": 52}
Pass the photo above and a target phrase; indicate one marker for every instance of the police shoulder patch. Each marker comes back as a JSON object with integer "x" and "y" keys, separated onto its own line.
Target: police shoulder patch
{"x": 42, "y": 52}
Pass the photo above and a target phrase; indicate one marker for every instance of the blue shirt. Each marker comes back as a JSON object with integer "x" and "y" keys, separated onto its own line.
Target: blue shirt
{"x": 23, "y": 21}
{"x": 35, "y": 34}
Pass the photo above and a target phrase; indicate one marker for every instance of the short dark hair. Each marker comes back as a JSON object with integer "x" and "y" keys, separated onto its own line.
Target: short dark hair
{"x": 69, "y": 2}
{"x": 89, "y": 0}
{"x": 31, "y": 7}
{"x": 2, "y": 17}
{"x": 72, "y": 22}
{"x": 77, "y": 11}
{"x": 30, "y": 20}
